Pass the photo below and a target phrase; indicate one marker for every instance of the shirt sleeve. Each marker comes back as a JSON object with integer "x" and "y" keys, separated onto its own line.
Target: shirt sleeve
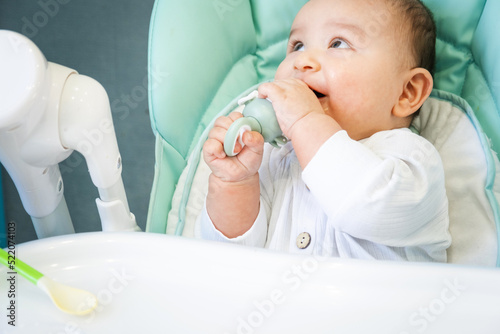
{"x": 387, "y": 189}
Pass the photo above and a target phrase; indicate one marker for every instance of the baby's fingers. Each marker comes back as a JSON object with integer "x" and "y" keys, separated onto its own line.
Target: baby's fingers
{"x": 270, "y": 90}
{"x": 253, "y": 141}
{"x": 226, "y": 121}
{"x": 217, "y": 133}
{"x": 213, "y": 149}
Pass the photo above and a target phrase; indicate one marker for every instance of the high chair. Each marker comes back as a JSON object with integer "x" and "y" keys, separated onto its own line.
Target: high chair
{"x": 205, "y": 55}
{"x": 214, "y": 52}
{"x": 47, "y": 112}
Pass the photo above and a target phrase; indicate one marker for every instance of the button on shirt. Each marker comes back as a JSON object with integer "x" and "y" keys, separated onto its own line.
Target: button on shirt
{"x": 379, "y": 198}
{"x": 303, "y": 240}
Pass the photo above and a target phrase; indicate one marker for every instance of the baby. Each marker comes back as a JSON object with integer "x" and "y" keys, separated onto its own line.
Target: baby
{"x": 354, "y": 181}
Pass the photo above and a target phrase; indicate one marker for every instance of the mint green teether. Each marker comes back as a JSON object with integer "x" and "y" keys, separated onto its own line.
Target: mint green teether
{"x": 258, "y": 115}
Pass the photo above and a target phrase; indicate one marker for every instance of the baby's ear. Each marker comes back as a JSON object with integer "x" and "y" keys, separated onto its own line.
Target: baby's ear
{"x": 416, "y": 90}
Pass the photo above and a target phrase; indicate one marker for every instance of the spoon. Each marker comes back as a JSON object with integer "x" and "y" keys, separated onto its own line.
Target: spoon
{"x": 66, "y": 298}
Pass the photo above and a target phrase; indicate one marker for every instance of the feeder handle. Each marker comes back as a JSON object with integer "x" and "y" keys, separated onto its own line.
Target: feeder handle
{"x": 235, "y": 133}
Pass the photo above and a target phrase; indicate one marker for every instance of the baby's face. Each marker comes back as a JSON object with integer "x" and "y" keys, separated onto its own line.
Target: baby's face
{"x": 349, "y": 53}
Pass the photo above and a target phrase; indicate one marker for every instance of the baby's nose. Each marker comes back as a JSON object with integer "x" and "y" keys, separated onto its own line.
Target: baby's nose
{"x": 307, "y": 61}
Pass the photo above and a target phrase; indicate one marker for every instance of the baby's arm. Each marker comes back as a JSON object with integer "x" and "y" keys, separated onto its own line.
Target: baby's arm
{"x": 388, "y": 189}
{"x": 233, "y": 192}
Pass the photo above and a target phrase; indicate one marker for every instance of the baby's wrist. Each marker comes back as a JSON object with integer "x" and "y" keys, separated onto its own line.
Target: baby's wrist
{"x": 218, "y": 183}
{"x": 309, "y": 124}
{"x": 310, "y": 134}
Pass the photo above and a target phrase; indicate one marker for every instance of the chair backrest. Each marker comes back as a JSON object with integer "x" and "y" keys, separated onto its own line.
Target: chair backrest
{"x": 203, "y": 54}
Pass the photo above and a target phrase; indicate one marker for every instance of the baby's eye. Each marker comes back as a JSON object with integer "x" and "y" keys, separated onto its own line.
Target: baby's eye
{"x": 298, "y": 46}
{"x": 338, "y": 43}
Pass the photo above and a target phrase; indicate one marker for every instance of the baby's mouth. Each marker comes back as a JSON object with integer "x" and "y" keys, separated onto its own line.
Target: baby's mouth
{"x": 318, "y": 94}
{"x": 323, "y": 102}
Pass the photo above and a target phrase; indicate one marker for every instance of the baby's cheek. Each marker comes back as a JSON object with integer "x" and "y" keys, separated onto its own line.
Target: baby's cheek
{"x": 284, "y": 70}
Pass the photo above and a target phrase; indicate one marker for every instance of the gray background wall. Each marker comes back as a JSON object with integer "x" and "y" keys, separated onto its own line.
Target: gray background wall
{"x": 106, "y": 40}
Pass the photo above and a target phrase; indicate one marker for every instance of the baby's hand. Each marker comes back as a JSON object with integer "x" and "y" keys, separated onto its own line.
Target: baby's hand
{"x": 239, "y": 167}
{"x": 292, "y": 100}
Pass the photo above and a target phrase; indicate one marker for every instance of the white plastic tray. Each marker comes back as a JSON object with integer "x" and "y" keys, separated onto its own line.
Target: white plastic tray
{"x": 150, "y": 283}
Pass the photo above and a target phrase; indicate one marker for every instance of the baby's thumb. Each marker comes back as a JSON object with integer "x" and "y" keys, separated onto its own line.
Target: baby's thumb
{"x": 254, "y": 141}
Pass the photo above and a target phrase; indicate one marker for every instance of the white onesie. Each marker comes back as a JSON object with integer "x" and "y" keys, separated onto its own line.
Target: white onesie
{"x": 379, "y": 198}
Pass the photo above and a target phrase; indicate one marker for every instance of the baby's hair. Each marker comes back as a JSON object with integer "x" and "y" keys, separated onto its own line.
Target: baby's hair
{"x": 418, "y": 23}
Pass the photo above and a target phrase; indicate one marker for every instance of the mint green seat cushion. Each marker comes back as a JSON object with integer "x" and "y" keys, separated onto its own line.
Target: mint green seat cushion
{"x": 204, "y": 54}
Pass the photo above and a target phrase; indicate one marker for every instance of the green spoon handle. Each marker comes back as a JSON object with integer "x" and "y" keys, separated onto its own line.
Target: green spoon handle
{"x": 13, "y": 263}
